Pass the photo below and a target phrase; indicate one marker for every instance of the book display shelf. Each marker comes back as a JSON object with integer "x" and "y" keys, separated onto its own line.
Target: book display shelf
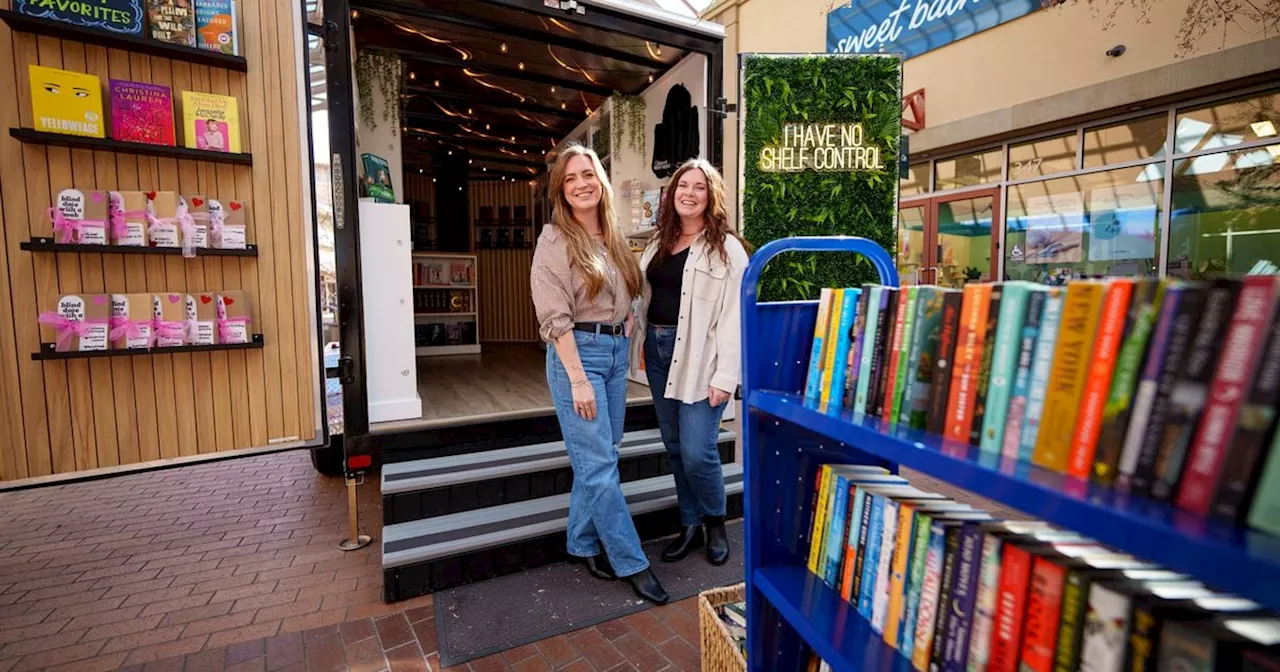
{"x": 793, "y": 614}
{"x": 446, "y": 304}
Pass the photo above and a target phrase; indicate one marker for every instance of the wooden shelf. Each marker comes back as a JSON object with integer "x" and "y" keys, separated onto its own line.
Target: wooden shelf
{"x": 444, "y": 286}
{"x": 471, "y": 314}
{"x": 47, "y": 245}
{"x": 133, "y": 43}
{"x": 443, "y": 350}
{"x": 33, "y": 137}
{"x": 444, "y": 255}
{"x": 47, "y": 351}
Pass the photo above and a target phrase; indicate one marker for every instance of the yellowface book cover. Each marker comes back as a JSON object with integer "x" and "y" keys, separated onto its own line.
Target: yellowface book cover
{"x": 66, "y": 102}
{"x": 210, "y": 122}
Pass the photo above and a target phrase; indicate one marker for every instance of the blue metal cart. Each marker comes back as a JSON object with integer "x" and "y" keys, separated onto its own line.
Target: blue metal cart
{"x": 790, "y": 612}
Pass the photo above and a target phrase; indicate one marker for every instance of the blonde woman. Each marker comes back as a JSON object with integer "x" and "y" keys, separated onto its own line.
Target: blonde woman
{"x": 583, "y": 279}
{"x": 690, "y": 337}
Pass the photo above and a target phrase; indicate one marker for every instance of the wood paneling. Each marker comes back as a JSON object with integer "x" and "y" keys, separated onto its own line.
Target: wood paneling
{"x": 65, "y": 416}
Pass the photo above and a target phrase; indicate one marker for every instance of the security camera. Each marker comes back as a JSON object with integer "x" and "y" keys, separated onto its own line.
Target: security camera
{"x": 1116, "y": 51}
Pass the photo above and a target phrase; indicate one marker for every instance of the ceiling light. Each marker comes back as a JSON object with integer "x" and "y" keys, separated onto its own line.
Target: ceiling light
{"x": 433, "y": 180}
{"x": 525, "y": 151}
{"x": 470, "y": 111}
{"x": 354, "y": 15}
{"x": 562, "y": 106}
{"x": 470, "y": 161}
{"x": 1263, "y": 129}
{"x": 459, "y": 188}
{"x": 521, "y": 66}
{"x": 437, "y": 83}
{"x": 486, "y": 127}
{"x": 419, "y": 171}
{"x": 553, "y": 89}
{"x": 513, "y": 138}
{"x": 413, "y": 76}
{"x": 451, "y": 152}
{"x": 651, "y": 79}
{"x": 503, "y": 47}
{"x": 484, "y": 169}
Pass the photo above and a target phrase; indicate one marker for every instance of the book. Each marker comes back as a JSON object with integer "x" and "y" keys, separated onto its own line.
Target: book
{"x": 930, "y": 595}
{"x": 920, "y": 546}
{"x": 172, "y": 21}
{"x": 122, "y": 17}
{"x": 1080, "y": 314}
{"x": 902, "y": 324}
{"x": 65, "y": 102}
{"x": 1219, "y": 644}
{"x": 141, "y": 112}
{"x": 1015, "y": 580}
{"x": 1143, "y": 310}
{"x": 216, "y": 26}
{"x": 1237, "y": 363}
{"x": 860, "y": 558}
{"x": 898, "y": 572}
{"x": 920, "y": 357}
{"x": 852, "y": 536}
{"x": 1106, "y": 628}
{"x": 880, "y": 363}
{"x": 376, "y": 181}
{"x": 1044, "y": 603}
{"x": 830, "y": 343}
{"x": 950, "y": 562}
{"x": 813, "y": 384}
{"x": 968, "y": 355}
{"x": 904, "y": 370}
{"x": 1022, "y": 374}
{"x": 1041, "y": 366}
{"x": 820, "y": 509}
{"x": 1084, "y": 441}
{"x": 1264, "y": 512}
{"x": 984, "y": 366}
{"x": 210, "y": 122}
{"x": 871, "y": 563}
{"x": 876, "y": 302}
{"x": 940, "y": 387}
{"x": 1187, "y": 398}
{"x": 1075, "y": 602}
{"x": 1004, "y": 362}
{"x": 880, "y": 587}
{"x": 856, "y": 341}
{"x": 963, "y": 600}
{"x": 985, "y": 608}
{"x": 836, "y": 529}
{"x": 833, "y": 394}
{"x": 1257, "y": 419}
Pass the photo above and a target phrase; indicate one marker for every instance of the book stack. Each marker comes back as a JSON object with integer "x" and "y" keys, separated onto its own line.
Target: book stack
{"x": 951, "y": 588}
{"x": 1164, "y": 388}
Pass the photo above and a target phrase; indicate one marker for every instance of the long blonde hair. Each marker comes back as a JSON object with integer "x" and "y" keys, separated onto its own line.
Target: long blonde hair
{"x": 582, "y": 250}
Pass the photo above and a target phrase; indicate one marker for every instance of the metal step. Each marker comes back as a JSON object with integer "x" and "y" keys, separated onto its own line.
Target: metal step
{"x": 442, "y": 552}
{"x": 455, "y": 483}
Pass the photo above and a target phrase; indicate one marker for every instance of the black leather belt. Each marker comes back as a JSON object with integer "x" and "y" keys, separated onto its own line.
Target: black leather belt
{"x": 601, "y": 328}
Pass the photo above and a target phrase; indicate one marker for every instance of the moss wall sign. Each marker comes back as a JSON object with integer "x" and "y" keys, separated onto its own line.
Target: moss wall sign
{"x": 820, "y": 148}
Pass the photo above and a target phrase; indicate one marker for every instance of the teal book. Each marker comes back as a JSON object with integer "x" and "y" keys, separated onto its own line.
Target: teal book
{"x": 875, "y": 311}
{"x": 1022, "y": 376}
{"x": 894, "y": 405}
{"x": 875, "y": 528}
{"x": 1004, "y": 360}
{"x": 836, "y": 529}
{"x": 915, "y": 579}
{"x": 920, "y": 358}
{"x": 840, "y": 362}
{"x": 1040, "y": 367}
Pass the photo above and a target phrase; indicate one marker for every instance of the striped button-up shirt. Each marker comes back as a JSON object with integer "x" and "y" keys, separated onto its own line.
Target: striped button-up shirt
{"x": 560, "y": 296}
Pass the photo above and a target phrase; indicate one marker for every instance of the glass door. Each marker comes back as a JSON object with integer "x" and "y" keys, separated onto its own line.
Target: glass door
{"x": 947, "y": 240}
{"x": 913, "y": 225}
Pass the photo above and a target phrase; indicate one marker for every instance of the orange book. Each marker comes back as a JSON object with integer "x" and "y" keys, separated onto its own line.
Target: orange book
{"x": 968, "y": 357}
{"x": 898, "y": 572}
{"x": 1076, "y": 334}
{"x": 850, "y": 550}
{"x": 1110, "y": 332}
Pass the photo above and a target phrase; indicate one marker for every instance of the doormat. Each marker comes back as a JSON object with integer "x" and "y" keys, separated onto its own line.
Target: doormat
{"x": 493, "y": 616}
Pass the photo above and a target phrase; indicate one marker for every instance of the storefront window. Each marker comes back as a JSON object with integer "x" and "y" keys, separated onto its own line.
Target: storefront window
{"x": 915, "y": 181}
{"x": 1043, "y": 157}
{"x": 1126, "y": 141}
{"x": 1105, "y": 223}
{"x": 1225, "y": 214}
{"x": 911, "y": 244}
{"x": 964, "y": 240}
{"x": 1228, "y": 123}
{"x": 970, "y": 169}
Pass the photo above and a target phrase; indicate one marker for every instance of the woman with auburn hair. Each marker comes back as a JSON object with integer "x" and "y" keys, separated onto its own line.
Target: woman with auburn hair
{"x": 690, "y": 338}
{"x": 584, "y": 278}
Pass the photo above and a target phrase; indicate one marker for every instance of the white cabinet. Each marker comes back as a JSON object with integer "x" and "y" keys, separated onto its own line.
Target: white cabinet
{"x": 391, "y": 369}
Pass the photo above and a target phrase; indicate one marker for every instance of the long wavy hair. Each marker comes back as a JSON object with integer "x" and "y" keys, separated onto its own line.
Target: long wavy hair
{"x": 582, "y": 249}
{"x": 715, "y": 216}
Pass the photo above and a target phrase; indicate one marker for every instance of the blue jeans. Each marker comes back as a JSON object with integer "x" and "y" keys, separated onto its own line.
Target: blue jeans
{"x": 689, "y": 432}
{"x": 598, "y": 512}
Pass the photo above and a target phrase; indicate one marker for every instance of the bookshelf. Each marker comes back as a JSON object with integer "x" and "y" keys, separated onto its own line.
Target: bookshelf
{"x": 446, "y": 311}
{"x": 29, "y": 136}
{"x": 792, "y": 612}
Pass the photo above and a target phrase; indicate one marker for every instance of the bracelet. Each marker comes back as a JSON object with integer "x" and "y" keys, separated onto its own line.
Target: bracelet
{"x": 581, "y": 383}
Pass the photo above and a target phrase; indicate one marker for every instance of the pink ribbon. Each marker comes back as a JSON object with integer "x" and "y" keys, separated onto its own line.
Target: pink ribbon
{"x": 217, "y": 219}
{"x": 180, "y": 218}
{"x": 66, "y": 327}
{"x": 225, "y": 324}
{"x": 120, "y": 221}
{"x": 122, "y": 329}
{"x": 68, "y": 229}
{"x": 161, "y": 329}
{"x": 188, "y": 223}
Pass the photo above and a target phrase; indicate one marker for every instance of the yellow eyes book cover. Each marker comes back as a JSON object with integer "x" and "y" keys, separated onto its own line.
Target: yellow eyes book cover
{"x": 65, "y": 102}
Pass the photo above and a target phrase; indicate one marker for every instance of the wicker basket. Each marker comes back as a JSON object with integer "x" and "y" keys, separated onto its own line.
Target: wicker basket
{"x": 719, "y": 652}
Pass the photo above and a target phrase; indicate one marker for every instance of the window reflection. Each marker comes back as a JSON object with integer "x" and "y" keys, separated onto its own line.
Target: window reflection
{"x": 1228, "y": 123}
{"x": 915, "y": 181}
{"x": 964, "y": 240}
{"x": 911, "y": 244}
{"x": 1225, "y": 215}
{"x": 1126, "y": 141}
{"x": 315, "y": 11}
{"x": 1093, "y": 225}
{"x": 970, "y": 169}
{"x": 1043, "y": 157}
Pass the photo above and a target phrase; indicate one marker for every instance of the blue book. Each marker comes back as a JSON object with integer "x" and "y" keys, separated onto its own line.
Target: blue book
{"x": 875, "y": 308}
{"x": 840, "y": 363}
{"x": 1004, "y": 361}
{"x": 851, "y": 539}
{"x": 1040, "y": 367}
{"x": 1022, "y": 374}
{"x": 888, "y": 544}
{"x": 866, "y": 596}
{"x": 963, "y": 600}
{"x": 836, "y": 532}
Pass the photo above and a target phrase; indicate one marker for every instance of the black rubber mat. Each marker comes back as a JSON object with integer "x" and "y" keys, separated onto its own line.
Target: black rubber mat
{"x": 489, "y": 617}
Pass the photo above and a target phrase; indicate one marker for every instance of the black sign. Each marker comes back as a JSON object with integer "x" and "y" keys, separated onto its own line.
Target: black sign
{"x": 676, "y": 137}
{"x": 114, "y": 16}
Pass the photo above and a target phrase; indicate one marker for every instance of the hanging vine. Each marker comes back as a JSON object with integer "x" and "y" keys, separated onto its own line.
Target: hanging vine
{"x": 628, "y": 121}
{"x": 380, "y": 71}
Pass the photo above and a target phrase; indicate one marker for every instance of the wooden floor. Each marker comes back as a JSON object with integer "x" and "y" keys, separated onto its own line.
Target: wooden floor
{"x": 506, "y": 381}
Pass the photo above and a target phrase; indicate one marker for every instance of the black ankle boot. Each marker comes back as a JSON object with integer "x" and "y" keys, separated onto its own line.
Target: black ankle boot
{"x": 717, "y": 540}
{"x": 689, "y": 539}
{"x": 647, "y": 587}
{"x": 598, "y": 566}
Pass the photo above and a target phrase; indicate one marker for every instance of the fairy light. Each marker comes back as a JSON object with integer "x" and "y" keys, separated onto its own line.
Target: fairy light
{"x": 563, "y": 106}
{"x": 503, "y": 47}
{"x": 570, "y": 68}
{"x": 413, "y": 76}
{"x": 521, "y": 66}
{"x": 466, "y": 55}
{"x": 651, "y": 78}
{"x": 553, "y": 89}
{"x": 653, "y": 53}
{"x": 436, "y": 83}
{"x": 355, "y": 14}
{"x": 480, "y": 80}
{"x": 532, "y": 120}
{"x": 452, "y": 113}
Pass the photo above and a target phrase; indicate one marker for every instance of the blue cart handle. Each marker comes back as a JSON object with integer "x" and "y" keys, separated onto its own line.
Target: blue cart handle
{"x": 879, "y": 258}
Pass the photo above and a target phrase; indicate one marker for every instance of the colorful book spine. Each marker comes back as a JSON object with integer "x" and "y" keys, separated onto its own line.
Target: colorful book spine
{"x": 875, "y": 308}
{"x": 1148, "y": 385}
{"x": 1106, "y": 628}
{"x": 1143, "y": 310}
{"x": 831, "y": 342}
{"x": 1015, "y": 579}
{"x": 836, "y": 529}
{"x": 860, "y": 560}
{"x": 968, "y": 357}
{"x": 1187, "y": 399}
{"x": 1075, "y": 600}
{"x": 984, "y": 612}
{"x": 940, "y": 387}
{"x": 819, "y": 517}
{"x": 1004, "y": 362}
{"x": 855, "y": 347}
{"x": 915, "y": 584}
{"x": 1042, "y": 364}
{"x": 1022, "y": 375}
{"x": 871, "y": 563}
{"x": 963, "y": 600}
{"x": 884, "y": 339}
{"x": 813, "y": 385}
{"x": 1070, "y": 368}
{"x": 833, "y": 396}
{"x": 904, "y": 370}
{"x": 1236, "y": 366}
{"x": 930, "y": 594}
{"x": 898, "y": 573}
{"x": 924, "y": 345}
{"x": 851, "y": 542}
{"x": 888, "y": 543}
{"x": 950, "y": 563}
{"x": 1044, "y": 605}
{"x": 1256, "y": 420}
{"x": 1144, "y": 632}
{"x": 1084, "y": 441}
{"x": 906, "y": 297}
{"x": 984, "y": 368}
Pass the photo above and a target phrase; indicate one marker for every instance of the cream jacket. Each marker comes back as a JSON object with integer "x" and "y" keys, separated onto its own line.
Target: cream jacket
{"x": 708, "y": 336}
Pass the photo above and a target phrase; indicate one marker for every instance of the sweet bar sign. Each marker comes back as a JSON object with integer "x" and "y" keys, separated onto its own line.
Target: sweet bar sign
{"x": 821, "y": 148}
{"x": 913, "y": 27}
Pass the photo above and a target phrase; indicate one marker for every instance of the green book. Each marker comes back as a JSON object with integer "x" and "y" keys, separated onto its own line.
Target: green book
{"x": 1004, "y": 362}
{"x": 1265, "y": 513}
{"x": 915, "y": 580}
{"x": 875, "y": 306}
{"x": 900, "y": 377}
{"x": 924, "y": 344}
{"x": 1139, "y": 323}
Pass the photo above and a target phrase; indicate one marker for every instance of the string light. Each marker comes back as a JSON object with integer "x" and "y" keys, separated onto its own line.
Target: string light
{"x": 437, "y": 83}
{"x": 480, "y": 80}
{"x": 413, "y": 76}
{"x": 562, "y": 106}
{"x": 503, "y": 47}
{"x": 651, "y": 78}
{"x": 553, "y": 89}
{"x": 486, "y": 127}
{"x": 570, "y": 68}
{"x": 355, "y": 14}
{"x": 466, "y": 55}
{"x": 521, "y": 65}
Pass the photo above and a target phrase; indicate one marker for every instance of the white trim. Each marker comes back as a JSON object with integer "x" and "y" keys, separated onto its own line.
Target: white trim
{"x": 302, "y": 72}
{"x": 655, "y": 13}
